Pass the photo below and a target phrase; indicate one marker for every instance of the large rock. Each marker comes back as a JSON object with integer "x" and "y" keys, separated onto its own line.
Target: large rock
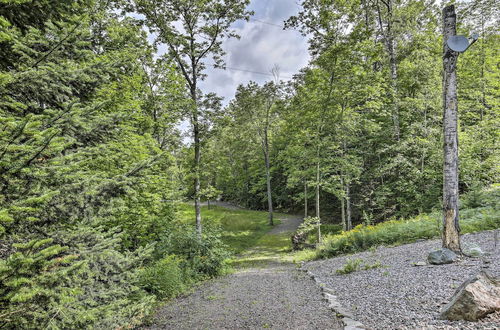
{"x": 473, "y": 251}
{"x": 442, "y": 256}
{"x": 474, "y": 299}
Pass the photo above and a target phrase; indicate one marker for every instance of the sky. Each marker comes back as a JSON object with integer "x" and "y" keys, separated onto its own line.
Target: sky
{"x": 263, "y": 44}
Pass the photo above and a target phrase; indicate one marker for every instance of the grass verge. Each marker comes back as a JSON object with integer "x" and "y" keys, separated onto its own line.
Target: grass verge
{"x": 481, "y": 211}
{"x": 241, "y": 229}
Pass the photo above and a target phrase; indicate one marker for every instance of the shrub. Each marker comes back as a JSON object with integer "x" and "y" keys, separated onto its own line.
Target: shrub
{"x": 363, "y": 237}
{"x": 308, "y": 227}
{"x": 201, "y": 258}
{"x": 164, "y": 278}
{"x": 351, "y": 266}
{"x": 85, "y": 282}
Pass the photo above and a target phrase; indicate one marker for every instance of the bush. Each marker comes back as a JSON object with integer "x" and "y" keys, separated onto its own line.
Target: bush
{"x": 307, "y": 228}
{"x": 350, "y": 266}
{"x": 164, "y": 278}
{"x": 331, "y": 229}
{"x": 393, "y": 232}
{"x": 86, "y": 282}
{"x": 200, "y": 259}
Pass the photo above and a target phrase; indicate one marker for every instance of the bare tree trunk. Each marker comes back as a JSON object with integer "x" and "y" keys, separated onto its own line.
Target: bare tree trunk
{"x": 388, "y": 34}
{"x": 348, "y": 205}
{"x": 305, "y": 199}
{"x": 197, "y": 159}
{"x": 394, "y": 87}
{"x": 451, "y": 230}
{"x": 342, "y": 204}
{"x": 317, "y": 196}
{"x": 268, "y": 179}
{"x": 317, "y": 189}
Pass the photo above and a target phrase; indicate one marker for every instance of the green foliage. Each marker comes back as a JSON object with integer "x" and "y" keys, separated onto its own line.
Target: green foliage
{"x": 326, "y": 229}
{"x": 164, "y": 278}
{"x": 354, "y": 265}
{"x": 393, "y": 232}
{"x": 87, "y": 283}
{"x": 84, "y": 176}
{"x": 240, "y": 229}
{"x": 334, "y": 125}
{"x": 30, "y": 283}
{"x": 198, "y": 259}
{"x": 351, "y": 266}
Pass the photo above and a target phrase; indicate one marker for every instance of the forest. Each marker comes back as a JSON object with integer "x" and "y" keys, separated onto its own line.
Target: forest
{"x": 110, "y": 151}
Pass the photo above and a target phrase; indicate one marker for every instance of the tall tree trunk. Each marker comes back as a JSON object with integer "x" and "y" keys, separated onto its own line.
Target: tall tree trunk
{"x": 451, "y": 231}
{"x": 394, "y": 86}
{"x": 342, "y": 204}
{"x": 317, "y": 196}
{"x": 317, "y": 189}
{"x": 197, "y": 159}
{"x": 348, "y": 223}
{"x": 305, "y": 199}
{"x": 268, "y": 179}
{"x": 388, "y": 34}
{"x": 348, "y": 205}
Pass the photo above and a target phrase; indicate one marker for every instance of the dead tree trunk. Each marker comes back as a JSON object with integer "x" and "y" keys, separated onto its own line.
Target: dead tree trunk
{"x": 451, "y": 228}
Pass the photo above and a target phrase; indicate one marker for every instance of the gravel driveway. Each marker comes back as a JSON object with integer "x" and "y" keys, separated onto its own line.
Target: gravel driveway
{"x": 399, "y": 295}
{"x": 275, "y": 295}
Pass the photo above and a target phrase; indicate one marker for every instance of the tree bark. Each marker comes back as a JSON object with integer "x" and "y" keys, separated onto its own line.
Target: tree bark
{"x": 305, "y": 199}
{"x": 348, "y": 205}
{"x": 317, "y": 196}
{"x": 451, "y": 230}
{"x": 342, "y": 204}
{"x": 389, "y": 41}
{"x": 197, "y": 160}
{"x": 317, "y": 189}
{"x": 268, "y": 179}
{"x": 394, "y": 86}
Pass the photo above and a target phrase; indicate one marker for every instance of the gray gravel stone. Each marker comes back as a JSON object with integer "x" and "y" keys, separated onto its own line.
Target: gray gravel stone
{"x": 402, "y": 296}
{"x": 276, "y": 296}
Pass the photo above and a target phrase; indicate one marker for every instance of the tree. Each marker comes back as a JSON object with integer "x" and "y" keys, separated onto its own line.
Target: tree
{"x": 451, "y": 230}
{"x": 193, "y": 31}
{"x": 255, "y": 108}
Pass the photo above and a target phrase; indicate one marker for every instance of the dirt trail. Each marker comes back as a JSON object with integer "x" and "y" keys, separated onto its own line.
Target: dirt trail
{"x": 270, "y": 294}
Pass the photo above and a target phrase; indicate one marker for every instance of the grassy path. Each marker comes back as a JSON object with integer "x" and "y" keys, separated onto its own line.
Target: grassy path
{"x": 265, "y": 291}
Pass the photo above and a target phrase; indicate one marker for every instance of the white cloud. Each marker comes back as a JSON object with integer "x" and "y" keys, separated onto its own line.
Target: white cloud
{"x": 261, "y": 47}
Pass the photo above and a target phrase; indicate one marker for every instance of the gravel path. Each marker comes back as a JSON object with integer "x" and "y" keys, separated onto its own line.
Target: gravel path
{"x": 288, "y": 224}
{"x": 399, "y": 295}
{"x": 275, "y": 295}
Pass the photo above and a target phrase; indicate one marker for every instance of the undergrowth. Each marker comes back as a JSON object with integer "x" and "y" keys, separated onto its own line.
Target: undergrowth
{"x": 354, "y": 265}
{"x": 480, "y": 211}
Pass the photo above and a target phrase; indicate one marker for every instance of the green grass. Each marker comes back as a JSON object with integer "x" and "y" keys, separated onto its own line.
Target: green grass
{"x": 241, "y": 229}
{"x": 269, "y": 248}
{"x": 481, "y": 212}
